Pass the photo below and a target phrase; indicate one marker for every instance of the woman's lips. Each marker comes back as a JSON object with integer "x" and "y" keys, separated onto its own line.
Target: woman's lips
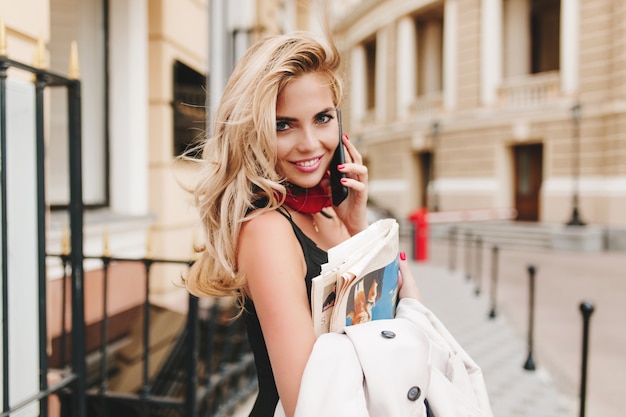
{"x": 308, "y": 165}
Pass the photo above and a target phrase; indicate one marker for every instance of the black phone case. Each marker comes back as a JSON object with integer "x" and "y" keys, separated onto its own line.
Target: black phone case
{"x": 339, "y": 192}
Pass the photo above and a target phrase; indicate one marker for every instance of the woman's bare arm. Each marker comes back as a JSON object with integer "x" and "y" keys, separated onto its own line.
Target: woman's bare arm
{"x": 272, "y": 259}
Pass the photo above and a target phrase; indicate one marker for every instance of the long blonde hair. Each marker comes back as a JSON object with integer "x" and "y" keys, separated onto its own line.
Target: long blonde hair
{"x": 239, "y": 159}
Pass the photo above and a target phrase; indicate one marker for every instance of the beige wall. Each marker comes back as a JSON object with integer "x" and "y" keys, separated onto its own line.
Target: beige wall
{"x": 468, "y": 70}
{"x": 26, "y": 22}
{"x": 178, "y": 31}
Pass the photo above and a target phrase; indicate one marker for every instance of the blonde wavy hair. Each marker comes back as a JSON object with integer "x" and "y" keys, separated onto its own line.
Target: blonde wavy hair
{"x": 239, "y": 160}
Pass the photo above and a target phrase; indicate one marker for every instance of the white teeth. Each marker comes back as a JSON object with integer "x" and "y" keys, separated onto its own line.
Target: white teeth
{"x": 307, "y": 163}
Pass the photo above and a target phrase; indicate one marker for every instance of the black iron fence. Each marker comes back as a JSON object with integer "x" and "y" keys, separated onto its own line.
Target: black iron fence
{"x": 74, "y": 378}
{"x": 207, "y": 368}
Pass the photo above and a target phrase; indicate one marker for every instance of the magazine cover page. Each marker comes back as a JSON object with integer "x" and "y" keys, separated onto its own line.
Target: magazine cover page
{"x": 374, "y": 297}
{"x": 359, "y": 283}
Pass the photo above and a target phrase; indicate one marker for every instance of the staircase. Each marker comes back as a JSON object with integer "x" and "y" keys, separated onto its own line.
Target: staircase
{"x": 502, "y": 233}
{"x": 528, "y": 235}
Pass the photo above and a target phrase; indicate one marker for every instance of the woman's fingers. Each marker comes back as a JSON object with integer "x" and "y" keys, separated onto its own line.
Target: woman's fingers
{"x": 409, "y": 286}
{"x": 355, "y": 172}
{"x": 352, "y": 154}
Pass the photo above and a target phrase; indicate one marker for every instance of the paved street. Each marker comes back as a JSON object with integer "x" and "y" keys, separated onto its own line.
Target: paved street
{"x": 562, "y": 281}
{"x": 500, "y": 345}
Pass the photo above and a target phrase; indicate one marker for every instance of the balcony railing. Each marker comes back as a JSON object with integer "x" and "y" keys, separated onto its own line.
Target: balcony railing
{"x": 206, "y": 368}
{"x": 426, "y": 106}
{"x": 530, "y": 91}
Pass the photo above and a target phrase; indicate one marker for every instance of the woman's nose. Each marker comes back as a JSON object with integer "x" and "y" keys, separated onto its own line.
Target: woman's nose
{"x": 308, "y": 138}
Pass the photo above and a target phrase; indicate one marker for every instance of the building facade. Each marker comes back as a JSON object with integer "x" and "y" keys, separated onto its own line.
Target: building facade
{"x": 478, "y": 104}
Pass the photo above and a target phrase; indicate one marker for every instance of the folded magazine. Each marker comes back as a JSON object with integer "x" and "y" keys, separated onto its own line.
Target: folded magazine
{"x": 360, "y": 281}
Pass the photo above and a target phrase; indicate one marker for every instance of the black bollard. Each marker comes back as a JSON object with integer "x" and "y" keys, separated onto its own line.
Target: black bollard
{"x": 452, "y": 240}
{"x": 586, "y": 309}
{"x": 530, "y": 362}
{"x": 494, "y": 280}
{"x": 479, "y": 264}
{"x": 468, "y": 254}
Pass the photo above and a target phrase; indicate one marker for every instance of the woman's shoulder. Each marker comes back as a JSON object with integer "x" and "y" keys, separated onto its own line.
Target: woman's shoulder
{"x": 268, "y": 247}
{"x": 270, "y": 229}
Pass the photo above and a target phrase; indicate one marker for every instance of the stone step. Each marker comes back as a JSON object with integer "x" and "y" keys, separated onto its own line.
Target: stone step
{"x": 509, "y": 234}
{"x": 530, "y": 235}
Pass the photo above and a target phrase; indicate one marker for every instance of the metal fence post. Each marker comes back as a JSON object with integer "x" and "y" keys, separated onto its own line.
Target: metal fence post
{"x": 479, "y": 263}
{"x": 191, "y": 374}
{"x": 79, "y": 397}
{"x": 586, "y": 309}
{"x": 494, "y": 280}
{"x": 468, "y": 254}
{"x": 4, "y": 240}
{"x": 530, "y": 361}
{"x": 452, "y": 244}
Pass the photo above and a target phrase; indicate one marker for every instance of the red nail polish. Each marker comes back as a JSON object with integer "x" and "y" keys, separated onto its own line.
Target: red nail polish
{"x": 340, "y": 167}
{"x": 403, "y": 256}
{"x": 345, "y": 135}
{"x": 344, "y": 180}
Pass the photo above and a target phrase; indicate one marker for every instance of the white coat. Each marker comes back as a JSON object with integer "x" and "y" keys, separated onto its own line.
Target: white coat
{"x": 387, "y": 368}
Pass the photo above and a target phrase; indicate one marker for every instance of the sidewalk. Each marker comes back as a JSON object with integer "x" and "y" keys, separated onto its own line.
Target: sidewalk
{"x": 562, "y": 281}
{"x": 493, "y": 344}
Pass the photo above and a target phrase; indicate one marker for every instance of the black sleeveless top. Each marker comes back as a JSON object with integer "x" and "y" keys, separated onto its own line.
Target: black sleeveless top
{"x": 268, "y": 395}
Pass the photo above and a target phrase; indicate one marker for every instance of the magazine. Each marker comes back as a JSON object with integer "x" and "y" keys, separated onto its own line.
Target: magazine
{"x": 360, "y": 281}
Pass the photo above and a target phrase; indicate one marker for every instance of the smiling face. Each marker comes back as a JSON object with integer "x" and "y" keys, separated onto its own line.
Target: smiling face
{"x": 306, "y": 129}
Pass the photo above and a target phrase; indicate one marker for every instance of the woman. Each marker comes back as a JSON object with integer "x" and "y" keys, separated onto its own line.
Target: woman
{"x": 264, "y": 202}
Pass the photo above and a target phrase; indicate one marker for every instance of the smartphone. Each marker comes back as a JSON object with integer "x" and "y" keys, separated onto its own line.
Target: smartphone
{"x": 338, "y": 190}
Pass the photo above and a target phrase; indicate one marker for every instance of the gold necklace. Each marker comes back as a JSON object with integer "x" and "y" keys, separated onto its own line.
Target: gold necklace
{"x": 317, "y": 229}
{"x": 314, "y": 223}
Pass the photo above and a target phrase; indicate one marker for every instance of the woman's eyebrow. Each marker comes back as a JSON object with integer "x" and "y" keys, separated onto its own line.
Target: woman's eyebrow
{"x": 293, "y": 119}
{"x": 327, "y": 110}
{"x": 286, "y": 119}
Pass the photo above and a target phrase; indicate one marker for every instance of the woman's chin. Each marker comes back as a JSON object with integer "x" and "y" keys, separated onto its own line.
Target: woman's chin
{"x": 308, "y": 183}
{"x": 304, "y": 185}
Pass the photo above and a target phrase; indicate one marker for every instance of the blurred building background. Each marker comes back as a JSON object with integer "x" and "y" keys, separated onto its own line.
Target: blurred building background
{"x": 456, "y": 105}
{"x": 470, "y": 104}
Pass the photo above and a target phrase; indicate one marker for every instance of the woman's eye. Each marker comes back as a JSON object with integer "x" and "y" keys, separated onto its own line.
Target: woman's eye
{"x": 324, "y": 118}
{"x": 282, "y": 126}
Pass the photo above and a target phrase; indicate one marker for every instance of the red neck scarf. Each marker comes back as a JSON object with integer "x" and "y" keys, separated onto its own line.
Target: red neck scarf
{"x": 307, "y": 200}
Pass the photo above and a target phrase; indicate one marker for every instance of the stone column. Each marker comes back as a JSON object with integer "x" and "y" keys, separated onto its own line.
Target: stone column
{"x": 129, "y": 107}
{"x": 382, "y": 40}
{"x": 450, "y": 52}
{"x": 517, "y": 38}
{"x": 491, "y": 50}
{"x": 358, "y": 85}
{"x": 570, "y": 30}
{"x": 406, "y": 65}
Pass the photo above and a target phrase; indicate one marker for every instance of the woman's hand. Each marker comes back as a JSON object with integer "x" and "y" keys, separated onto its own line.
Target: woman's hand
{"x": 352, "y": 211}
{"x": 406, "y": 281}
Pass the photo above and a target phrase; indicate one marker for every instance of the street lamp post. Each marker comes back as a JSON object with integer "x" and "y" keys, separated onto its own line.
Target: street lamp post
{"x": 576, "y": 116}
{"x": 434, "y": 127}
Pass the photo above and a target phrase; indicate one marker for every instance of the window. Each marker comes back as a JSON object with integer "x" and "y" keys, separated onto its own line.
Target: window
{"x": 189, "y": 108}
{"x": 531, "y": 36}
{"x": 84, "y": 22}
{"x": 429, "y": 32}
{"x": 370, "y": 73}
{"x": 545, "y": 39}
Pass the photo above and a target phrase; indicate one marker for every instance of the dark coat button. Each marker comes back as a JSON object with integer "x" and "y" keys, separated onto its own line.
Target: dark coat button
{"x": 388, "y": 334}
{"x": 414, "y": 393}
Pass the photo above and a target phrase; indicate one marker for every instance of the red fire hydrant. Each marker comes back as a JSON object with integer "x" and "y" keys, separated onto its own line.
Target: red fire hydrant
{"x": 419, "y": 218}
